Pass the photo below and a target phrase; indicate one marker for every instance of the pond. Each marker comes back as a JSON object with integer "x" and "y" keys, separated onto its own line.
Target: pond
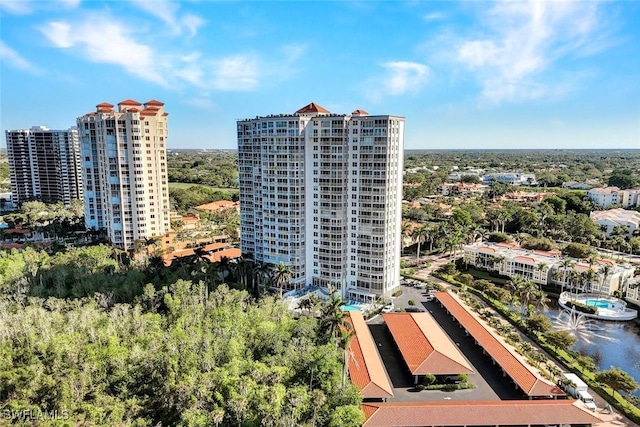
{"x": 608, "y": 343}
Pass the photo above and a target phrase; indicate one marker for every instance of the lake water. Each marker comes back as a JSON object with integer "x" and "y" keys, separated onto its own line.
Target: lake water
{"x": 608, "y": 343}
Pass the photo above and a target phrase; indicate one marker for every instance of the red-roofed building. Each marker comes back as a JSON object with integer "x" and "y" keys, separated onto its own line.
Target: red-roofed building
{"x": 313, "y": 108}
{"x": 478, "y": 413}
{"x": 366, "y": 370}
{"x": 530, "y": 382}
{"x": 219, "y": 205}
{"x": 109, "y": 165}
{"x": 545, "y": 267}
{"x": 425, "y": 347}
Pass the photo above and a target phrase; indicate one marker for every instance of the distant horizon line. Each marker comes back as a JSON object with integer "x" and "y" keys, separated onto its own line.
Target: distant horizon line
{"x": 448, "y": 149}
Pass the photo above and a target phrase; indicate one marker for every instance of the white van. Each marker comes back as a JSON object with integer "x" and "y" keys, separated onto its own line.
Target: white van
{"x": 587, "y": 399}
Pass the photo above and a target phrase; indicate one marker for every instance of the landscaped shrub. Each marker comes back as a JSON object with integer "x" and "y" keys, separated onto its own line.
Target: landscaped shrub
{"x": 429, "y": 379}
{"x": 397, "y": 293}
{"x": 412, "y": 302}
{"x": 582, "y": 307}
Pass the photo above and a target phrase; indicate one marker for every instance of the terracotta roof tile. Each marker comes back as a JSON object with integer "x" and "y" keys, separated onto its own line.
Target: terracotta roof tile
{"x": 366, "y": 370}
{"x": 154, "y": 102}
{"x": 129, "y": 102}
{"x": 220, "y": 204}
{"x": 104, "y": 104}
{"x": 476, "y": 413}
{"x": 149, "y": 112}
{"x": 424, "y": 345}
{"x": 230, "y": 253}
{"x": 527, "y": 380}
{"x": 312, "y": 108}
{"x": 525, "y": 259}
{"x": 359, "y": 112}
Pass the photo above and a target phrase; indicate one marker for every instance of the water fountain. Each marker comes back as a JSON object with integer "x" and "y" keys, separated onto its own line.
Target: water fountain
{"x": 579, "y": 325}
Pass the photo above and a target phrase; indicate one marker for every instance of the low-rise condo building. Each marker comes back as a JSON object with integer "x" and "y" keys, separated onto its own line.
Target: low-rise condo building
{"x": 549, "y": 267}
{"x": 612, "y": 218}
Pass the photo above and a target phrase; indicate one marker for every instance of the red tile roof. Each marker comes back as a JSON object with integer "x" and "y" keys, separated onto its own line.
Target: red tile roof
{"x": 215, "y": 246}
{"x": 487, "y": 249}
{"x": 154, "y": 102}
{"x": 476, "y": 413}
{"x": 435, "y": 354}
{"x": 525, "y": 259}
{"x": 359, "y": 113}
{"x": 104, "y": 105}
{"x": 230, "y": 253}
{"x": 312, "y": 108}
{"x": 547, "y": 253}
{"x": 366, "y": 370}
{"x": 129, "y": 102}
{"x": 220, "y": 204}
{"x": 520, "y": 373}
{"x": 149, "y": 112}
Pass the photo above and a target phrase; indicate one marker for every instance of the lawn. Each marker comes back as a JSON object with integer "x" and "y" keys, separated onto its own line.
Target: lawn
{"x": 188, "y": 184}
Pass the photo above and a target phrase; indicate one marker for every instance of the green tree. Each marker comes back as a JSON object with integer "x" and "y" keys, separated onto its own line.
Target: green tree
{"x": 560, "y": 339}
{"x": 617, "y": 379}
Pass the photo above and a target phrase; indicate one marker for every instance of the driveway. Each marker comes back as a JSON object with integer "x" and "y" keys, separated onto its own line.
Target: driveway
{"x": 488, "y": 380}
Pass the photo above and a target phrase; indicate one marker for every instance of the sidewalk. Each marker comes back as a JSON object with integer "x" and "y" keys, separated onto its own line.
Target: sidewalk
{"x": 608, "y": 420}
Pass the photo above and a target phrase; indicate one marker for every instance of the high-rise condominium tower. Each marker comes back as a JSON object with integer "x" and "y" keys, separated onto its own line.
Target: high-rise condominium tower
{"x": 125, "y": 170}
{"x": 44, "y": 164}
{"x": 321, "y": 193}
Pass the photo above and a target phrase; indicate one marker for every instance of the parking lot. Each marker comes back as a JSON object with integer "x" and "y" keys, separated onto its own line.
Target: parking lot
{"x": 488, "y": 380}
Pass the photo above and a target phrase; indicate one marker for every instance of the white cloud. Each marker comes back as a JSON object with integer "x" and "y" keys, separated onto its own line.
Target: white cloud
{"x": 15, "y": 60}
{"x": 168, "y": 12}
{"x": 239, "y": 72}
{"x": 103, "y": 40}
{"x": 403, "y": 77}
{"x": 399, "y": 78}
{"x": 521, "y": 43}
{"x": 434, "y": 16}
{"x": 17, "y": 7}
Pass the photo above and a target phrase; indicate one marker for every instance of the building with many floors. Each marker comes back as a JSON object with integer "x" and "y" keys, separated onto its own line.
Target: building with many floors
{"x": 512, "y": 178}
{"x": 549, "y": 267}
{"x": 44, "y": 164}
{"x": 610, "y": 219}
{"x": 321, "y": 193}
{"x": 125, "y": 170}
{"x": 610, "y": 196}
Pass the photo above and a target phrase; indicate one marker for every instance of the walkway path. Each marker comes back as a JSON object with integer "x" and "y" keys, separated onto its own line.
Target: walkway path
{"x": 613, "y": 419}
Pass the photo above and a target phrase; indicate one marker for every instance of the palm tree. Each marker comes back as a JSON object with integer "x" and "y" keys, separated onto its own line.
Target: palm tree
{"x": 543, "y": 268}
{"x": 281, "y": 276}
{"x": 331, "y": 318}
{"x": 565, "y": 265}
{"x": 419, "y": 234}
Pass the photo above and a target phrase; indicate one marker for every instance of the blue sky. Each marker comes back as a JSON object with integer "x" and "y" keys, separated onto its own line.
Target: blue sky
{"x": 466, "y": 75}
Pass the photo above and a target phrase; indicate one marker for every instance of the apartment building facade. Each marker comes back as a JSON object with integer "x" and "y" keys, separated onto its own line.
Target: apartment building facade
{"x": 610, "y": 196}
{"x": 125, "y": 170}
{"x": 549, "y": 267}
{"x": 321, "y": 193}
{"x": 44, "y": 164}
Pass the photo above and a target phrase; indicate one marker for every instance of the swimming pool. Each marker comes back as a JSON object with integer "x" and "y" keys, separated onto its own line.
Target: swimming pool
{"x": 350, "y": 307}
{"x": 597, "y": 303}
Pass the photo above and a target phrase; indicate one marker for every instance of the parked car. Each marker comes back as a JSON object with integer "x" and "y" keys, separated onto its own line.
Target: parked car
{"x": 414, "y": 309}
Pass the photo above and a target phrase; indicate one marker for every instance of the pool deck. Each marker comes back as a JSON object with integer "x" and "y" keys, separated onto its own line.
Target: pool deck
{"x": 622, "y": 314}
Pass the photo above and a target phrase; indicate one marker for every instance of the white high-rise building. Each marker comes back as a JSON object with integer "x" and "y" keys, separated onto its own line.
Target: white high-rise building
{"x": 125, "y": 170}
{"x": 44, "y": 164}
{"x": 321, "y": 193}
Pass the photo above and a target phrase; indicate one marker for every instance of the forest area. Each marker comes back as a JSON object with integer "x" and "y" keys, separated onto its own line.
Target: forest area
{"x": 91, "y": 337}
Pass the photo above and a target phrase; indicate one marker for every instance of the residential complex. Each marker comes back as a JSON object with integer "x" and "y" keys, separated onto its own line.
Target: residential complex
{"x": 609, "y": 196}
{"x": 512, "y": 178}
{"x": 125, "y": 170}
{"x": 321, "y": 193}
{"x": 44, "y": 164}
{"x": 549, "y": 267}
{"x": 612, "y": 218}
